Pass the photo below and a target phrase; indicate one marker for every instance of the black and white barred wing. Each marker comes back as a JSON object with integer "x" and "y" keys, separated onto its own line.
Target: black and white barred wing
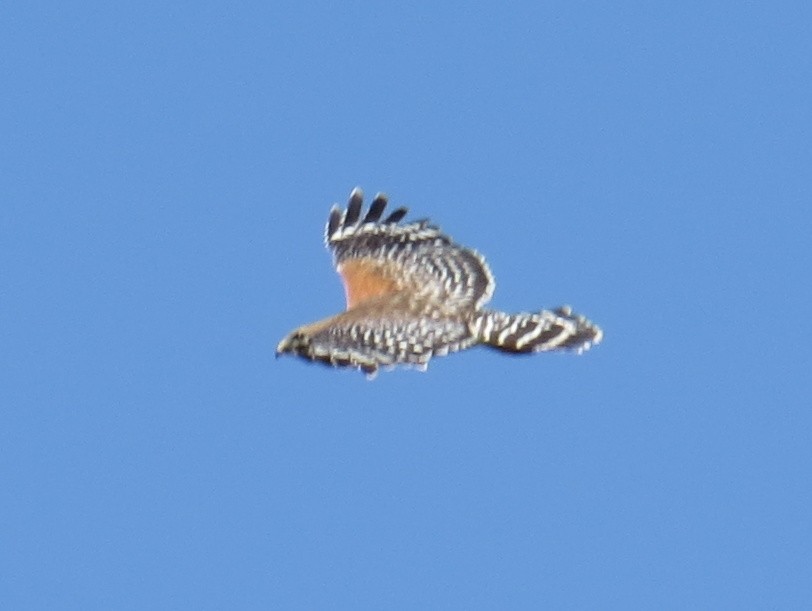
{"x": 377, "y": 255}
{"x": 385, "y": 332}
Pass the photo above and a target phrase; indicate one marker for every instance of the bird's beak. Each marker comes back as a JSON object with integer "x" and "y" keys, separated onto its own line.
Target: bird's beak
{"x": 281, "y": 348}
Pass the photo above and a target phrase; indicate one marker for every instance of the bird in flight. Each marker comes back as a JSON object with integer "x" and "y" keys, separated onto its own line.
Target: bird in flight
{"x": 413, "y": 293}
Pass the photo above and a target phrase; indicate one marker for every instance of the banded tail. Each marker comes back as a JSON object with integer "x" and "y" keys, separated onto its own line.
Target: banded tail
{"x": 557, "y": 329}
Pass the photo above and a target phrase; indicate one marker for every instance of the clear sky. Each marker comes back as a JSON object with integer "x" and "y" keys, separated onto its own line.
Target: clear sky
{"x": 166, "y": 173}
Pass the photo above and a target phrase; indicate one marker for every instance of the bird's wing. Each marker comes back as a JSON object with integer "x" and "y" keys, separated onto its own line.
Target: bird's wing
{"x": 384, "y": 331}
{"x": 378, "y": 256}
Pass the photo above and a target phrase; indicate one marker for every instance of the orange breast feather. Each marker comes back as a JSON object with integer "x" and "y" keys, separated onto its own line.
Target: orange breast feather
{"x": 364, "y": 280}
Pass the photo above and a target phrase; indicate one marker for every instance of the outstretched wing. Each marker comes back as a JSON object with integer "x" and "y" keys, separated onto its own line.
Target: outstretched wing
{"x": 381, "y": 332}
{"x": 383, "y": 257}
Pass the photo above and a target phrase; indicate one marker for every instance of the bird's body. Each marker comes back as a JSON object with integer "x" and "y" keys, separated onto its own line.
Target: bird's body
{"x": 413, "y": 293}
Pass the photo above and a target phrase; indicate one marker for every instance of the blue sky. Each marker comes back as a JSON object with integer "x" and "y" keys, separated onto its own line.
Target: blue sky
{"x": 167, "y": 172}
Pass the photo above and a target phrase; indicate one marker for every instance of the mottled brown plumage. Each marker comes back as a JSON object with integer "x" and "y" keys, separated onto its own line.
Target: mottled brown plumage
{"x": 413, "y": 293}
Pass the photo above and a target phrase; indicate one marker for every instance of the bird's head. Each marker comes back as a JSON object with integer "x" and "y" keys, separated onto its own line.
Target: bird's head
{"x": 297, "y": 343}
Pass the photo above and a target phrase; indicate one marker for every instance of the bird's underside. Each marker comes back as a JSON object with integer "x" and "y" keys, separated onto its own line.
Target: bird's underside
{"x": 413, "y": 293}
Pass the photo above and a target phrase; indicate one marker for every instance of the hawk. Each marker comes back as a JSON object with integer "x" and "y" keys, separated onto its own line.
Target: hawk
{"x": 413, "y": 293}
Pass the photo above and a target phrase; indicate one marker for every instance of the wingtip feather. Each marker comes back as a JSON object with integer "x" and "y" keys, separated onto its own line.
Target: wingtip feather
{"x": 354, "y": 207}
{"x": 376, "y": 208}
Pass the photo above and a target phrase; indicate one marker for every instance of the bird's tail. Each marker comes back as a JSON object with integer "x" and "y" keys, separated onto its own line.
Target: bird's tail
{"x": 557, "y": 329}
